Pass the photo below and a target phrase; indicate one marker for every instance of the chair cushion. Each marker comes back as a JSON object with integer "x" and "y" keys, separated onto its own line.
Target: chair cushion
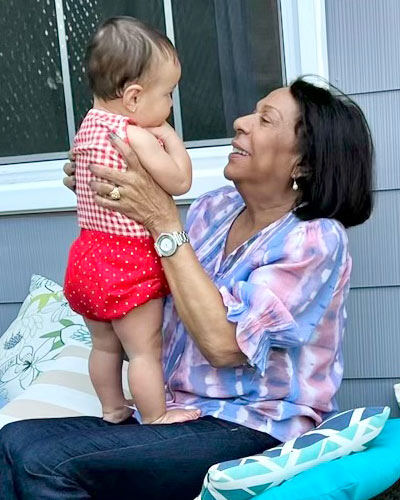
{"x": 338, "y": 436}
{"x": 360, "y": 476}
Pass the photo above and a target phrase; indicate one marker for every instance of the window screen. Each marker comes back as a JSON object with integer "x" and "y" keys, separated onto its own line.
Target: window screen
{"x": 229, "y": 50}
{"x": 32, "y": 109}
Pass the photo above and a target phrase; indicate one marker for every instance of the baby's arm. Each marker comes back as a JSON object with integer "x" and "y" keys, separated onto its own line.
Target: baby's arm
{"x": 170, "y": 166}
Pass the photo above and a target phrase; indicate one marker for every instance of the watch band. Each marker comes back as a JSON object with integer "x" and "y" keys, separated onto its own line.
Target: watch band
{"x": 181, "y": 237}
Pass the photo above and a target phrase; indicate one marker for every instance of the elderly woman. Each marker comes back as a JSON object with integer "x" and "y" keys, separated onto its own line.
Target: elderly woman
{"x": 254, "y": 325}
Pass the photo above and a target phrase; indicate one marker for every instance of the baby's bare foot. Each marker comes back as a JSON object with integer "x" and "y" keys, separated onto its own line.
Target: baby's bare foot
{"x": 117, "y": 415}
{"x": 177, "y": 415}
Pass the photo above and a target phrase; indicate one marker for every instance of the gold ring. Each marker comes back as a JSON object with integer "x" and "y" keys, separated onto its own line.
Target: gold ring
{"x": 114, "y": 193}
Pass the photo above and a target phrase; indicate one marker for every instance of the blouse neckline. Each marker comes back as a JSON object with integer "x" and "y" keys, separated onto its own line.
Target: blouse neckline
{"x": 224, "y": 259}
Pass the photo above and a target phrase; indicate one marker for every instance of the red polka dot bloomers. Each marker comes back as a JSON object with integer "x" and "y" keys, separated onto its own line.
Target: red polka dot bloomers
{"x": 112, "y": 265}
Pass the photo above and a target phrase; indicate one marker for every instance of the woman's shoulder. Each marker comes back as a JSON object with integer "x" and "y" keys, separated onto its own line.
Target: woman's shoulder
{"x": 321, "y": 225}
{"x": 321, "y": 235}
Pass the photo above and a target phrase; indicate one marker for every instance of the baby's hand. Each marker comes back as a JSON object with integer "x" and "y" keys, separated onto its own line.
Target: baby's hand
{"x": 163, "y": 132}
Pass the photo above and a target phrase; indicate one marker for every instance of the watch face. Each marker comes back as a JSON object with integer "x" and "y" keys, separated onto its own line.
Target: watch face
{"x": 167, "y": 245}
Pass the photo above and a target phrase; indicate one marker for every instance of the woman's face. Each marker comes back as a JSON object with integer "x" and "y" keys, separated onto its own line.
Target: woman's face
{"x": 265, "y": 147}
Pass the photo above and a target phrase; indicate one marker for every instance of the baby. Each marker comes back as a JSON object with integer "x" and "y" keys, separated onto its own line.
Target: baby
{"x": 114, "y": 277}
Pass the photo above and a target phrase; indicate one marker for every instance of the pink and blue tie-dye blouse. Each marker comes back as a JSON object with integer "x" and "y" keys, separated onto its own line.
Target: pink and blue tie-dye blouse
{"x": 285, "y": 289}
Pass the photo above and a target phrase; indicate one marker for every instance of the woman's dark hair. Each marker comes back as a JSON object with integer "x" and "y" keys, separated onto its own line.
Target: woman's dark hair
{"x": 336, "y": 148}
{"x": 121, "y": 52}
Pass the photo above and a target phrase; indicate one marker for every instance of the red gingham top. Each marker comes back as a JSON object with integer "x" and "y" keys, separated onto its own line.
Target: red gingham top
{"x": 92, "y": 146}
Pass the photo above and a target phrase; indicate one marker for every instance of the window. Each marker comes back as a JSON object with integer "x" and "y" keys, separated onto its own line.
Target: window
{"x": 232, "y": 52}
{"x": 231, "y": 56}
{"x": 32, "y": 91}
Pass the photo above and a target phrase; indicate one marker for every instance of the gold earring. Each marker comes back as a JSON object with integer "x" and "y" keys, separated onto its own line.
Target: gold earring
{"x": 295, "y": 186}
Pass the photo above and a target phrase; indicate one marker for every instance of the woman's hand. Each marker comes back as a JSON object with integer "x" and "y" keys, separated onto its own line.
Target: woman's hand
{"x": 69, "y": 169}
{"x": 142, "y": 199}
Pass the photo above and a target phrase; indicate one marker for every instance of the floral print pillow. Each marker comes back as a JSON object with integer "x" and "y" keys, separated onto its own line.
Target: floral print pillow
{"x": 44, "y": 325}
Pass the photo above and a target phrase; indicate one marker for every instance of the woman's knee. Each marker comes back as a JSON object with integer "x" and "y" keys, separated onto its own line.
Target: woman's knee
{"x": 10, "y": 436}
{"x": 12, "y": 449}
{"x": 34, "y": 461}
{"x": 17, "y": 436}
{"x": 32, "y": 471}
{"x": 40, "y": 457}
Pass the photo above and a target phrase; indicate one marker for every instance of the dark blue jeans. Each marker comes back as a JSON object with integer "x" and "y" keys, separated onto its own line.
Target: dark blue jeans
{"x": 85, "y": 457}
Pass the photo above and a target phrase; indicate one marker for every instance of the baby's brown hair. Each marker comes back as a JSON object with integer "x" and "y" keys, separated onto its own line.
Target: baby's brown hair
{"x": 121, "y": 52}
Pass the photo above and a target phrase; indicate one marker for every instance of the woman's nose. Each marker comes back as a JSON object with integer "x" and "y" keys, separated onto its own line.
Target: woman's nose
{"x": 243, "y": 124}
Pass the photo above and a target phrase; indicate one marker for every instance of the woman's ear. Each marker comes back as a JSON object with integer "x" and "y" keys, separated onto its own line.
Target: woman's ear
{"x": 131, "y": 96}
{"x": 296, "y": 168}
{"x": 300, "y": 169}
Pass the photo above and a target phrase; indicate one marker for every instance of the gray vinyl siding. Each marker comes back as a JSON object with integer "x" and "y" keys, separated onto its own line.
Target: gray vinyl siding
{"x": 368, "y": 392}
{"x": 363, "y": 49}
{"x": 8, "y": 311}
{"x": 363, "y": 44}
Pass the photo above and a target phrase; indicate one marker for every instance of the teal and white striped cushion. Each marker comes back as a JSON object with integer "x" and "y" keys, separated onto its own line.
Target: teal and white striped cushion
{"x": 338, "y": 436}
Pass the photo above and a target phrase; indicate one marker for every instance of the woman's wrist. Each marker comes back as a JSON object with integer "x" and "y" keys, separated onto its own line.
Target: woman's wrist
{"x": 165, "y": 228}
{"x": 166, "y": 223}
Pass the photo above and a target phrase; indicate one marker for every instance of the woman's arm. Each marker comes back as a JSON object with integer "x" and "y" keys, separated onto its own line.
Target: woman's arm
{"x": 199, "y": 305}
{"x": 170, "y": 166}
{"x": 196, "y": 298}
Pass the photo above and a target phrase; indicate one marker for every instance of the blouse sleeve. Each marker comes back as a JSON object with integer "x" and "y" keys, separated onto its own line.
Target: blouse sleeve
{"x": 282, "y": 302}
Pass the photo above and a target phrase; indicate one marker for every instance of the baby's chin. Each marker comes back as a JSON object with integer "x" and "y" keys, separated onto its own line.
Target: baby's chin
{"x": 153, "y": 124}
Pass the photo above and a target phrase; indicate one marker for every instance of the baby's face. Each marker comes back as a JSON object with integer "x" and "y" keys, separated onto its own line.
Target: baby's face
{"x": 155, "y": 102}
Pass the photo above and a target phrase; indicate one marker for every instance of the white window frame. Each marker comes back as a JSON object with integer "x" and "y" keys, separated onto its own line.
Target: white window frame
{"x": 36, "y": 186}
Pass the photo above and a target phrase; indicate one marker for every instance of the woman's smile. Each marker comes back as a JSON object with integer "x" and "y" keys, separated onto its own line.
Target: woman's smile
{"x": 238, "y": 152}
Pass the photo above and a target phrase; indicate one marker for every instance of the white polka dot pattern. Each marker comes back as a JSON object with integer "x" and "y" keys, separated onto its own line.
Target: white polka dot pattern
{"x": 107, "y": 286}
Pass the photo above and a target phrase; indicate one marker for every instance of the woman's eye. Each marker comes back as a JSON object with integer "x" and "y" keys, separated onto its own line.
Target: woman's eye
{"x": 264, "y": 119}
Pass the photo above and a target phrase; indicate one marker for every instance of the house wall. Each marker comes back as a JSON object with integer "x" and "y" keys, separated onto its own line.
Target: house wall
{"x": 363, "y": 49}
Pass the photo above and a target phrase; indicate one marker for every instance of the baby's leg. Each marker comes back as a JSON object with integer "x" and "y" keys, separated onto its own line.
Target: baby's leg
{"x": 105, "y": 367}
{"x": 140, "y": 335}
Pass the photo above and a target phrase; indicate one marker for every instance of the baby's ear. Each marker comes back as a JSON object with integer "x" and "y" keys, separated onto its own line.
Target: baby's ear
{"x": 131, "y": 95}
